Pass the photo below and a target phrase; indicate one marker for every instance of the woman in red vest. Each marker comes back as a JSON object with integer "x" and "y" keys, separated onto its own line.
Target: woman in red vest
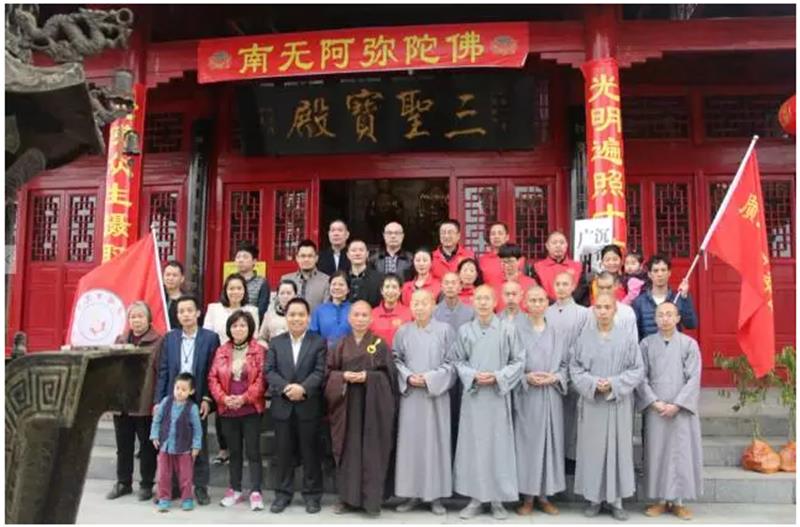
{"x": 390, "y": 314}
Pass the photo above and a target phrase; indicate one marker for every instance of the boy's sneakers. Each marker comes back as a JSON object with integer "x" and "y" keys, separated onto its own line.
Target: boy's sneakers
{"x": 163, "y": 505}
{"x": 230, "y": 498}
{"x": 256, "y": 501}
{"x": 187, "y": 504}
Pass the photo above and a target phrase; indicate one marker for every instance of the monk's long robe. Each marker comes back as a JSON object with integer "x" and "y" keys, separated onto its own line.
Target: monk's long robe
{"x": 568, "y": 321}
{"x": 424, "y": 458}
{"x": 538, "y": 419}
{"x": 673, "y": 456}
{"x": 485, "y": 466}
{"x": 362, "y": 418}
{"x": 604, "y": 464}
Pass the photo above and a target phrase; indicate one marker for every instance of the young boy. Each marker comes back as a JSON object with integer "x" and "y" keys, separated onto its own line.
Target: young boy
{"x": 177, "y": 435}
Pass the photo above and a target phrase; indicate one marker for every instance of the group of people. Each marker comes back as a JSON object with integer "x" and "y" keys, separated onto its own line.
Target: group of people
{"x": 431, "y": 373}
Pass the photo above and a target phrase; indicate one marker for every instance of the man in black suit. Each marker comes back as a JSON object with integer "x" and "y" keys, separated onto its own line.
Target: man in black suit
{"x": 335, "y": 258}
{"x": 295, "y": 371}
{"x": 190, "y": 348}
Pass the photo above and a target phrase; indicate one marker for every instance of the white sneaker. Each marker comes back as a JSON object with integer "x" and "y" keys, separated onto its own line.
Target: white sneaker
{"x": 231, "y": 497}
{"x": 256, "y": 501}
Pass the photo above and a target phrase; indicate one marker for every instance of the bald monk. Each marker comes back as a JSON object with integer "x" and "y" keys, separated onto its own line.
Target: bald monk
{"x": 670, "y": 394}
{"x": 606, "y": 369}
{"x": 567, "y": 318}
{"x": 512, "y": 294}
{"x": 423, "y": 353}
{"x": 360, "y": 390}
{"x": 489, "y": 363}
{"x": 538, "y": 408}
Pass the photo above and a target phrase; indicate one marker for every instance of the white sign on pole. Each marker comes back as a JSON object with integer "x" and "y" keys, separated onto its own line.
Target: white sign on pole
{"x": 590, "y": 237}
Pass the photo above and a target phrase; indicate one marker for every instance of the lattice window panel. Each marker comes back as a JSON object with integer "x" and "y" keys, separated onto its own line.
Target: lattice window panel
{"x": 45, "y": 228}
{"x": 655, "y": 117}
{"x": 80, "y": 245}
{"x": 480, "y": 211}
{"x": 531, "y": 219}
{"x": 633, "y": 202}
{"x": 290, "y": 222}
{"x": 673, "y": 225}
{"x": 778, "y": 213}
{"x": 742, "y": 115}
{"x": 164, "y": 218}
{"x": 245, "y": 216}
{"x": 163, "y": 132}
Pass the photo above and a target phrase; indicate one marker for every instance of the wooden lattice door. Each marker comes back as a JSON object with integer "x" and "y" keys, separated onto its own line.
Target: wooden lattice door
{"x": 63, "y": 244}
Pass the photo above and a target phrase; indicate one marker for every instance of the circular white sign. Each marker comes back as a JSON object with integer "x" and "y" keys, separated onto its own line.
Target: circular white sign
{"x": 99, "y": 318}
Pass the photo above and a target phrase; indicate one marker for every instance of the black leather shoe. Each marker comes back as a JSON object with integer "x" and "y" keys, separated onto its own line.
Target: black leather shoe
{"x": 119, "y": 489}
{"x": 145, "y": 493}
{"x": 313, "y": 506}
{"x": 279, "y": 505}
{"x": 201, "y": 493}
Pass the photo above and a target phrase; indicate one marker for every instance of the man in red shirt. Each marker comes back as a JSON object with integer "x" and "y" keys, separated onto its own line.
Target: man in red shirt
{"x": 491, "y": 266}
{"x": 449, "y": 254}
{"x": 556, "y": 262}
{"x": 510, "y": 255}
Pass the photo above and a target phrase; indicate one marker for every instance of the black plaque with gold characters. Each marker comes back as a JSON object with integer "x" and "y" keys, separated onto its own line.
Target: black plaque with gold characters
{"x": 423, "y": 112}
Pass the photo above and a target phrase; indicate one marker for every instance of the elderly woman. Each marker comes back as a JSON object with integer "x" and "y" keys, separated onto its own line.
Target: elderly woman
{"x": 128, "y": 426}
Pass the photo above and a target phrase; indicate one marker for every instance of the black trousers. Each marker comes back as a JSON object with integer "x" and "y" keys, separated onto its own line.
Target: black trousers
{"x": 292, "y": 434}
{"x": 127, "y": 428}
{"x": 201, "y": 469}
{"x": 223, "y": 443}
{"x": 244, "y": 435}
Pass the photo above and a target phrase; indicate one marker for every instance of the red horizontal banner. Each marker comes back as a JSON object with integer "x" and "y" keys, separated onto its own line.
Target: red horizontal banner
{"x": 494, "y": 45}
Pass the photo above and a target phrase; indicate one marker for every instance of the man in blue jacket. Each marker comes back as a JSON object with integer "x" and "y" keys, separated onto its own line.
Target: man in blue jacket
{"x": 191, "y": 349}
{"x": 646, "y": 303}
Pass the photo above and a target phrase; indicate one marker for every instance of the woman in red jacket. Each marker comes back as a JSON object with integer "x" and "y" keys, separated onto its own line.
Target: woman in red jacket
{"x": 236, "y": 382}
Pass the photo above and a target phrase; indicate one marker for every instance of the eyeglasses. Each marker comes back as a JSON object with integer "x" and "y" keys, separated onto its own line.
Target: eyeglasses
{"x": 396, "y": 233}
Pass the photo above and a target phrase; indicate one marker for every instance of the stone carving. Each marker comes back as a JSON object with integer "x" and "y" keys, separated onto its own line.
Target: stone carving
{"x": 53, "y": 404}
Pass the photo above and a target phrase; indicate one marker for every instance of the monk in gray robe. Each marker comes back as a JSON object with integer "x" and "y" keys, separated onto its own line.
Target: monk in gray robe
{"x": 489, "y": 363}
{"x": 568, "y": 320}
{"x": 625, "y": 317}
{"x": 538, "y": 419}
{"x": 512, "y": 298}
{"x": 423, "y": 353}
{"x": 451, "y": 310}
{"x": 673, "y": 456}
{"x": 606, "y": 368}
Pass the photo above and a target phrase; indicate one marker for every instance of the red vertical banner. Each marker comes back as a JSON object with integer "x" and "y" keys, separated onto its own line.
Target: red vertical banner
{"x": 123, "y": 180}
{"x": 605, "y": 167}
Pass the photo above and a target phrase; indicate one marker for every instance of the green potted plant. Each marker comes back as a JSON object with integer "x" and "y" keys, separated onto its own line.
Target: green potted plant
{"x": 785, "y": 378}
{"x": 751, "y": 391}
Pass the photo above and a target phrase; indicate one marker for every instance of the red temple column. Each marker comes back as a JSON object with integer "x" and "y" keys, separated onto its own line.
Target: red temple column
{"x": 604, "y": 151}
{"x": 123, "y": 182}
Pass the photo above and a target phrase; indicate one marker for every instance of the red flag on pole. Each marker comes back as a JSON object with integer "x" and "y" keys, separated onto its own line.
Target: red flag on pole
{"x": 739, "y": 237}
{"x": 104, "y": 294}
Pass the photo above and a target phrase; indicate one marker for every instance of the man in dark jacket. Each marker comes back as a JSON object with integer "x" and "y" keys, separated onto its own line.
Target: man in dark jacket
{"x": 334, "y": 258}
{"x": 365, "y": 283}
{"x": 392, "y": 258}
{"x": 295, "y": 371}
{"x": 191, "y": 349}
{"x": 659, "y": 271}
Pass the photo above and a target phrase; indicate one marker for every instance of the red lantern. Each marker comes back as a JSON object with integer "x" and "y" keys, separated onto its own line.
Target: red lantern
{"x": 787, "y": 115}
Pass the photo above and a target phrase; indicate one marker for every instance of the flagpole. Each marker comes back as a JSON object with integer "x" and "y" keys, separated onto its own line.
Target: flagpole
{"x": 160, "y": 276}
{"x": 720, "y": 211}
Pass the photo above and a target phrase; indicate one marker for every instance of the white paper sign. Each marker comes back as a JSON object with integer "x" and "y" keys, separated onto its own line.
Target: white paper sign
{"x": 590, "y": 237}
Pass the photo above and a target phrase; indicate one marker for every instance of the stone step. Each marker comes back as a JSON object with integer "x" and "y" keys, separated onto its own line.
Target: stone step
{"x": 721, "y": 484}
{"x": 717, "y": 450}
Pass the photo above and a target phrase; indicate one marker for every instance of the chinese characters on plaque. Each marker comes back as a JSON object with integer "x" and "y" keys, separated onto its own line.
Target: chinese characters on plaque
{"x": 442, "y": 111}
{"x": 360, "y": 50}
{"x": 605, "y": 170}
